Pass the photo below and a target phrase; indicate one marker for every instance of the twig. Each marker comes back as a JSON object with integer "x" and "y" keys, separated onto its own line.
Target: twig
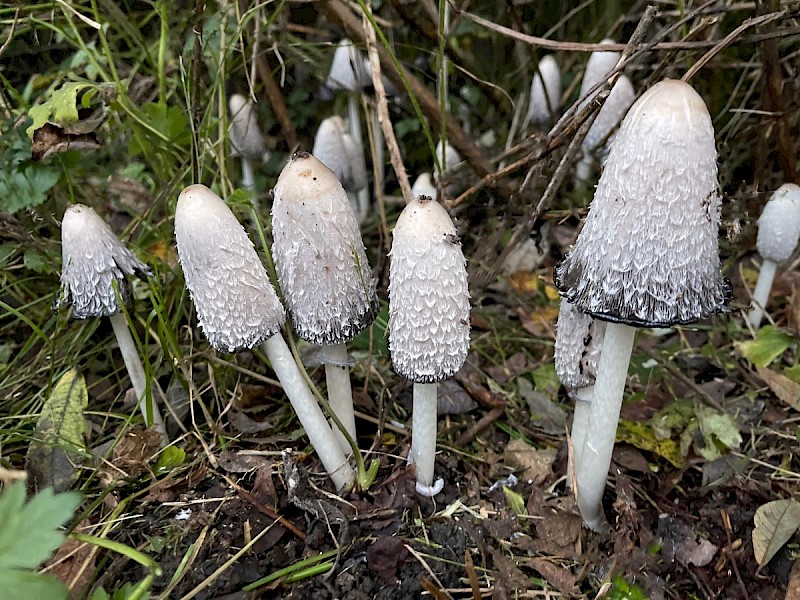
{"x": 245, "y": 495}
{"x": 726, "y": 525}
{"x": 476, "y": 429}
{"x": 687, "y": 381}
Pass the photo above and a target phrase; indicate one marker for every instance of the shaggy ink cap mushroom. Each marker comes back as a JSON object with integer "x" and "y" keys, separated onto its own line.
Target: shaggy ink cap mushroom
{"x": 600, "y": 64}
{"x": 779, "y": 224}
{"x": 545, "y": 92}
{"x": 610, "y": 114}
{"x": 648, "y": 254}
{"x": 347, "y": 69}
{"x": 338, "y": 151}
{"x": 237, "y": 307}
{"x": 93, "y": 258}
{"x": 244, "y": 133}
{"x": 429, "y": 322}
{"x": 319, "y": 256}
{"x": 579, "y": 339}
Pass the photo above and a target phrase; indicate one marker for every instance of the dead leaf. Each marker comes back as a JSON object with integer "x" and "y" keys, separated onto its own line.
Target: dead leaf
{"x": 559, "y": 577}
{"x": 452, "y": 399}
{"x": 784, "y": 388}
{"x": 51, "y": 139}
{"x": 235, "y": 462}
{"x": 793, "y": 587}
{"x": 776, "y": 523}
{"x": 508, "y": 573}
{"x": 680, "y": 542}
{"x": 129, "y": 457}
{"x": 385, "y": 556}
{"x": 536, "y": 463}
{"x": 561, "y": 529}
{"x": 550, "y": 417}
{"x": 74, "y": 563}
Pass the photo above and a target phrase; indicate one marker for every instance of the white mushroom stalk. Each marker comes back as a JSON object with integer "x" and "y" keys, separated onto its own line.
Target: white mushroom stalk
{"x": 94, "y": 263}
{"x": 338, "y": 151}
{"x": 579, "y": 339}
{"x": 648, "y": 254}
{"x": 348, "y": 73}
{"x": 545, "y": 93}
{"x": 429, "y": 322}
{"x": 247, "y": 141}
{"x": 238, "y": 308}
{"x": 323, "y": 271}
{"x": 778, "y": 232}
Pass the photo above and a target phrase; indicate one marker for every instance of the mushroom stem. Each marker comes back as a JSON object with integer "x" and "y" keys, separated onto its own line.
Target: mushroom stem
{"x": 761, "y": 293}
{"x": 340, "y": 395}
{"x": 580, "y": 422}
{"x": 248, "y": 179}
{"x": 595, "y": 457}
{"x": 136, "y": 372}
{"x": 354, "y": 125}
{"x": 308, "y": 412}
{"x": 423, "y": 437}
{"x": 584, "y": 169}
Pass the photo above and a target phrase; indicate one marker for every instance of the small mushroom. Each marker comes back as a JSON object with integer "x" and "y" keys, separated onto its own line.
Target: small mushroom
{"x": 338, "y": 151}
{"x": 429, "y": 322}
{"x": 447, "y": 158}
{"x": 323, "y": 271}
{"x": 237, "y": 308}
{"x": 247, "y": 141}
{"x": 648, "y": 254}
{"x": 545, "y": 92}
{"x": 424, "y": 186}
{"x": 348, "y": 73}
{"x": 579, "y": 339}
{"x": 93, "y": 269}
{"x": 778, "y": 232}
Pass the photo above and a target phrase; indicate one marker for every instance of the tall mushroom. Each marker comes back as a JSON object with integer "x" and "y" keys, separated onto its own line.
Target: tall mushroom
{"x": 94, "y": 263}
{"x": 338, "y": 151}
{"x": 323, "y": 271}
{"x": 778, "y": 232}
{"x": 648, "y": 254}
{"x": 237, "y": 308}
{"x": 545, "y": 92}
{"x": 428, "y": 319}
{"x": 247, "y": 141}
{"x": 579, "y": 339}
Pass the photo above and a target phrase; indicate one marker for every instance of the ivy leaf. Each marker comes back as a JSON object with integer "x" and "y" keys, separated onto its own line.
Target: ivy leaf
{"x": 769, "y": 344}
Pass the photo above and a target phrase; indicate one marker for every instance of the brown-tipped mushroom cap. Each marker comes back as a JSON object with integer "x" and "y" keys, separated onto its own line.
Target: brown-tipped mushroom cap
{"x": 338, "y": 151}
{"x": 244, "y": 133}
{"x": 428, "y": 296}
{"x": 648, "y": 254}
{"x": 320, "y": 259}
{"x": 236, "y": 304}
{"x": 92, "y": 259}
{"x": 579, "y": 339}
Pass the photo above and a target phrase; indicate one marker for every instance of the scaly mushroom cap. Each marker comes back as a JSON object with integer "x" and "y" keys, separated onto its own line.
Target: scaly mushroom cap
{"x": 543, "y": 106}
{"x": 244, "y": 133}
{"x": 579, "y": 339}
{"x": 320, "y": 259}
{"x": 611, "y": 113}
{"x": 428, "y": 296}
{"x": 92, "y": 258}
{"x": 779, "y": 224}
{"x": 338, "y": 151}
{"x": 597, "y": 69}
{"x": 235, "y": 302}
{"x": 648, "y": 254}
{"x": 347, "y": 69}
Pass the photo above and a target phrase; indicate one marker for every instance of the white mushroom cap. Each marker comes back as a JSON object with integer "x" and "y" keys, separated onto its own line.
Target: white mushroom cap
{"x": 597, "y": 69}
{"x": 648, "y": 254}
{"x": 92, "y": 258}
{"x": 428, "y": 296}
{"x": 779, "y": 224}
{"x": 236, "y": 304}
{"x": 451, "y": 157}
{"x": 347, "y": 69}
{"x": 244, "y": 133}
{"x": 579, "y": 339}
{"x": 423, "y": 186}
{"x": 611, "y": 113}
{"x": 338, "y": 151}
{"x": 320, "y": 259}
{"x": 543, "y": 106}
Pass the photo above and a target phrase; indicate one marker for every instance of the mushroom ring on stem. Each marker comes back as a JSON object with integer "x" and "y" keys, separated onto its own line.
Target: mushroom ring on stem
{"x": 323, "y": 271}
{"x": 648, "y": 254}
{"x": 429, "y": 322}
{"x": 93, "y": 260}
{"x": 237, "y": 307}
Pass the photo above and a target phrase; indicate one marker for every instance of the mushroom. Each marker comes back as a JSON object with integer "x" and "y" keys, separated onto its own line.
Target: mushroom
{"x": 424, "y": 186}
{"x": 447, "y": 158}
{"x": 648, "y": 254}
{"x": 348, "y": 73}
{"x": 247, "y": 141}
{"x": 323, "y": 271}
{"x": 579, "y": 339}
{"x": 237, "y": 308}
{"x": 428, "y": 319}
{"x": 338, "y": 151}
{"x": 545, "y": 92}
{"x": 93, "y": 268}
{"x": 778, "y": 232}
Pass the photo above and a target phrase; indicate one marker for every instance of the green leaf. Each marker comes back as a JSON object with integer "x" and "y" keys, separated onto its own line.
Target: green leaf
{"x": 644, "y": 438}
{"x": 39, "y": 114}
{"x": 545, "y": 380}
{"x": 58, "y": 443}
{"x": 27, "y": 584}
{"x": 717, "y": 429}
{"x": 170, "y": 457}
{"x": 769, "y": 344}
{"x": 515, "y": 502}
{"x": 622, "y": 590}
{"x": 26, "y": 186}
{"x": 34, "y": 261}
{"x": 776, "y": 523}
{"x": 61, "y": 108}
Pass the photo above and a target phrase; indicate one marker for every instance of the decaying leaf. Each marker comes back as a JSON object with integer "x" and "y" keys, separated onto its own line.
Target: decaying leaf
{"x": 776, "y": 523}
{"x": 535, "y": 462}
{"x": 57, "y": 448}
{"x": 717, "y": 428}
{"x": 548, "y": 416}
{"x": 645, "y": 438}
{"x": 783, "y": 387}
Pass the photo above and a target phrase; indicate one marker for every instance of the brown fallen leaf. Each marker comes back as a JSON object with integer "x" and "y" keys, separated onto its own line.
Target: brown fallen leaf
{"x": 793, "y": 587}
{"x": 385, "y": 556}
{"x": 559, "y": 577}
{"x": 73, "y": 564}
{"x": 784, "y": 388}
{"x": 50, "y": 139}
{"x": 507, "y": 574}
{"x": 535, "y": 462}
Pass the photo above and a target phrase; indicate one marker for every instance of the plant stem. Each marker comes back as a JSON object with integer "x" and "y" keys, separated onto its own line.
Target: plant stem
{"x": 609, "y": 388}
{"x": 354, "y": 124}
{"x": 340, "y": 395}
{"x": 308, "y": 412}
{"x": 423, "y": 437}
{"x": 761, "y": 293}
